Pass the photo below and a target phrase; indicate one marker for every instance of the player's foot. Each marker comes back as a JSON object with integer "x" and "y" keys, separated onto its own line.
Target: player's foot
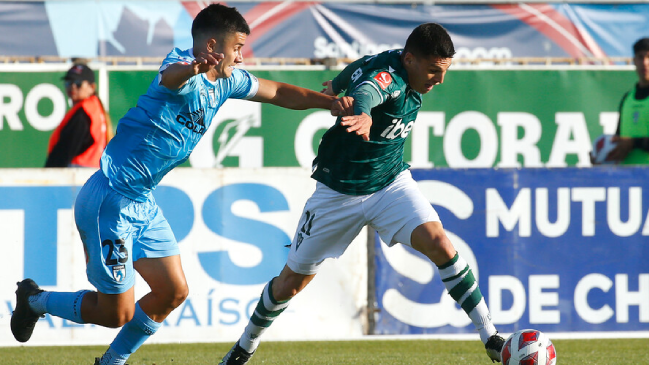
{"x": 23, "y": 318}
{"x": 98, "y": 361}
{"x": 493, "y": 346}
{"x": 236, "y": 356}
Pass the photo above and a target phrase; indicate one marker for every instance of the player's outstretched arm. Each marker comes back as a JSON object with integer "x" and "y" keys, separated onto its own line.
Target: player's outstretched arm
{"x": 176, "y": 75}
{"x": 291, "y": 96}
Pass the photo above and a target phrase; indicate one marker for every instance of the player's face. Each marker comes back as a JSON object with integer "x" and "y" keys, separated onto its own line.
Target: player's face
{"x": 641, "y": 62}
{"x": 79, "y": 90}
{"x": 425, "y": 72}
{"x": 231, "y": 49}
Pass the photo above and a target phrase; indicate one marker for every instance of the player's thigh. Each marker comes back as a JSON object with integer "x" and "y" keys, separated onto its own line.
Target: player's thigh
{"x": 399, "y": 209}
{"x": 157, "y": 256}
{"x": 101, "y": 216}
{"x": 329, "y": 223}
{"x": 163, "y": 275}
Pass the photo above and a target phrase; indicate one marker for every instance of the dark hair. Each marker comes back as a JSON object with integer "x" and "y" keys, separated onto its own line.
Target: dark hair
{"x": 641, "y": 45}
{"x": 430, "y": 39}
{"x": 217, "y": 20}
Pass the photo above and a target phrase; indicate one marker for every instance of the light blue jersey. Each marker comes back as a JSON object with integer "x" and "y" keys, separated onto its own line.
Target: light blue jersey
{"x": 161, "y": 131}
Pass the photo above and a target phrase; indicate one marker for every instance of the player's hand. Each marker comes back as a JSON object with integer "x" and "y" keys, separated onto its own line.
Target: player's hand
{"x": 359, "y": 124}
{"x": 623, "y": 145}
{"x": 206, "y": 61}
{"x": 343, "y": 106}
{"x": 328, "y": 90}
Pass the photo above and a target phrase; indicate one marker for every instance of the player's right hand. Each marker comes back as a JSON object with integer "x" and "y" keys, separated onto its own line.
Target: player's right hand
{"x": 206, "y": 61}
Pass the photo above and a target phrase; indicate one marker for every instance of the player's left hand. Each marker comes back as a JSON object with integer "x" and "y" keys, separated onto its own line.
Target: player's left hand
{"x": 206, "y": 61}
{"x": 328, "y": 90}
{"x": 359, "y": 124}
{"x": 343, "y": 106}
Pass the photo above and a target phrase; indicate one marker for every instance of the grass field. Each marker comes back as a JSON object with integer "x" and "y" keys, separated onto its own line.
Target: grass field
{"x": 377, "y": 352}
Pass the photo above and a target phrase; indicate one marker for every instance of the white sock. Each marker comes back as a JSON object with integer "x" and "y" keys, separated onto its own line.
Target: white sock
{"x": 267, "y": 310}
{"x": 481, "y": 319}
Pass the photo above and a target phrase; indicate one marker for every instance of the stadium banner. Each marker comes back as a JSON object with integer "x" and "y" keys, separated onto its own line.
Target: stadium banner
{"x": 558, "y": 250}
{"x": 477, "y": 118}
{"x": 232, "y": 226}
{"x": 326, "y": 28}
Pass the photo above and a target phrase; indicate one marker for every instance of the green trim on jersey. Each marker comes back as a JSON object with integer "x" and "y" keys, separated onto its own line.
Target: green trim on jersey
{"x": 345, "y": 162}
{"x": 634, "y": 122}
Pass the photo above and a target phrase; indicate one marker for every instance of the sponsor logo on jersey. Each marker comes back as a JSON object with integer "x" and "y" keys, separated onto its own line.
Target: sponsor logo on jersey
{"x": 384, "y": 79}
{"x": 195, "y": 121}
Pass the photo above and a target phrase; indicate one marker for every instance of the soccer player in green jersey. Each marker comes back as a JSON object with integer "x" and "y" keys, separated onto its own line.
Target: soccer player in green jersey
{"x": 362, "y": 180}
{"x": 632, "y": 136}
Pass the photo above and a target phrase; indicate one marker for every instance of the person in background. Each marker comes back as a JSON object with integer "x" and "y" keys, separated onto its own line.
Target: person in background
{"x": 632, "y": 136}
{"x": 81, "y": 137}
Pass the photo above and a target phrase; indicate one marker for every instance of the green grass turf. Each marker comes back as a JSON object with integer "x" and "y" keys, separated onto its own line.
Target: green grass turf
{"x": 377, "y": 352}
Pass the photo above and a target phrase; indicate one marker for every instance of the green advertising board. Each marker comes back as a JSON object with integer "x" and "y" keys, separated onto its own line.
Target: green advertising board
{"x": 477, "y": 118}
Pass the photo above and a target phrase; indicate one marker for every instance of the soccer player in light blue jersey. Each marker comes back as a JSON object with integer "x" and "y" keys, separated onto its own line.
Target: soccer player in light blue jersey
{"x": 122, "y": 228}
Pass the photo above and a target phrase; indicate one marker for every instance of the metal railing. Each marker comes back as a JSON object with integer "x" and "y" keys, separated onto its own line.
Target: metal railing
{"x": 328, "y": 62}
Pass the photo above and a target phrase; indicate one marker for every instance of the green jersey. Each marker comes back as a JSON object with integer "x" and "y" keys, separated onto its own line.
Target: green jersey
{"x": 379, "y": 85}
{"x": 634, "y": 122}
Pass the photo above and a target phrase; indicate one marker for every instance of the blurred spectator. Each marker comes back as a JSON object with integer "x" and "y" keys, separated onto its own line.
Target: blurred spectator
{"x": 85, "y": 130}
{"x": 632, "y": 136}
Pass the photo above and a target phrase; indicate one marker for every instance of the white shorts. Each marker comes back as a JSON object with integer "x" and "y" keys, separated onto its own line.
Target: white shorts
{"x": 331, "y": 220}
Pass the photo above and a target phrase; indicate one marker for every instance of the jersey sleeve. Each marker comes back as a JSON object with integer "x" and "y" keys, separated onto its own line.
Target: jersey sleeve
{"x": 371, "y": 90}
{"x": 366, "y": 97}
{"x": 342, "y": 81}
{"x": 244, "y": 84}
{"x": 175, "y": 56}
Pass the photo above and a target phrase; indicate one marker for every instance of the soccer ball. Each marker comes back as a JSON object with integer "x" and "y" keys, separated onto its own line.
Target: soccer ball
{"x": 602, "y": 146}
{"x": 528, "y": 347}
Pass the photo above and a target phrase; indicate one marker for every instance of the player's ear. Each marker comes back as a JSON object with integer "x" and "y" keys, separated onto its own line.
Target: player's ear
{"x": 408, "y": 58}
{"x": 211, "y": 45}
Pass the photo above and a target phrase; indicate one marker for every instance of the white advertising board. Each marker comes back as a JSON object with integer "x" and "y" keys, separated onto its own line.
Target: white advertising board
{"x": 232, "y": 226}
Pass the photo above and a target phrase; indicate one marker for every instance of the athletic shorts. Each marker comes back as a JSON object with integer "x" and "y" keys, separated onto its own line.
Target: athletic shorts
{"x": 331, "y": 220}
{"x": 117, "y": 231}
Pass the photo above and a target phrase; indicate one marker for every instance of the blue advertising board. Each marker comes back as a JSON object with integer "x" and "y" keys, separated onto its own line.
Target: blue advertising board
{"x": 559, "y": 250}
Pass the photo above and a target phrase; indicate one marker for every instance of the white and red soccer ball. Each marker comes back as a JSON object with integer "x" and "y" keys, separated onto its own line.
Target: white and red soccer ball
{"x": 602, "y": 146}
{"x": 528, "y": 347}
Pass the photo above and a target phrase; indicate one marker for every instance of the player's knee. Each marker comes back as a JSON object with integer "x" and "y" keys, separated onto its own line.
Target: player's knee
{"x": 179, "y": 296}
{"x": 174, "y": 297}
{"x": 119, "y": 317}
{"x": 433, "y": 243}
